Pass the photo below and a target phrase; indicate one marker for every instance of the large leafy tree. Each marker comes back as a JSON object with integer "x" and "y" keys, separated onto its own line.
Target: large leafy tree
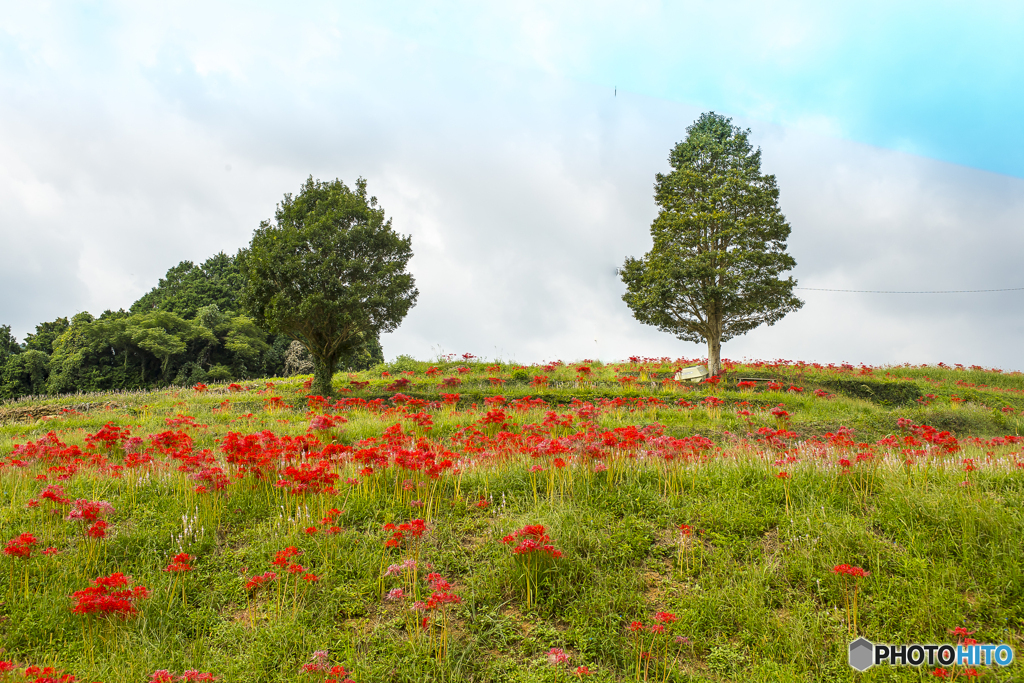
{"x": 719, "y": 251}
{"x": 330, "y": 272}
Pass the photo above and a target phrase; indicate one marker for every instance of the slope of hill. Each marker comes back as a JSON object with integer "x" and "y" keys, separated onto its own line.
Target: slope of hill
{"x": 470, "y": 521}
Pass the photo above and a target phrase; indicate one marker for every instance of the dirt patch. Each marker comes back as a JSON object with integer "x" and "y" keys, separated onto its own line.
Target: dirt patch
{"x": 48, "y": 412}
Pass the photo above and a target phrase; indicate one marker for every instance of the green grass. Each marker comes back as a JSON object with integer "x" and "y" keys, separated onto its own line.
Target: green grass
{"x": 752, "y": 588}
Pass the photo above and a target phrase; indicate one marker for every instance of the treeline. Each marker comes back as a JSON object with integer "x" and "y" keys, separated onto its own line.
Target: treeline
{"x": 190, "y": 328}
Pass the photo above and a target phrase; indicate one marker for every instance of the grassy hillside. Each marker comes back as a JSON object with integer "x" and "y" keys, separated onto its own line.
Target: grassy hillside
{"x": 469, "y": 521}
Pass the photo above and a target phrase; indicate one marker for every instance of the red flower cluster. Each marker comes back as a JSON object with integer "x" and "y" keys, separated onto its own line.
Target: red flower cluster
{"x": 180, "y": 563}
{"x": 855, "y": 572}
{"x": 41, "y": 674}
{"x": 165, "y": 676}
{"x": 532, "y": 539}
{"x": 20, "y": 546}
{"x": 101, "y": 598}
{"x": 442, "y": 594}
{"x": 90, "y": 510}
{"x": 281, "y": 557}
{"x": 414, "y": 528}
{"x": 258, "y": 580}
{"x": 107, "y": 437}
{"x": 97, "y": 530}
{"x": 308, "y": 478}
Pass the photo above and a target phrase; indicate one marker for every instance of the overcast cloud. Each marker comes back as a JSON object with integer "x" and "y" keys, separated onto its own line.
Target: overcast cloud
{"x": 132, "y": 140}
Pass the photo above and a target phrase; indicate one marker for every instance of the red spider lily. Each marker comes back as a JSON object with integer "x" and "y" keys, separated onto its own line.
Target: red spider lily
{"x": 664, "y": 617}
{"x": 317, "y": 403}
{"x": 55, "y": 494}
{"x": 183, "y": 421}
{"x": 400, "y": 383}
{"x": 165, "y": 676}
{"x": 960, "y": 632}
{"x": 850, "y": 595}
{"x": 259, "y": 579}
{"x": 556, "y": 656}
{"x": 532, "y": 539}
{"x": 90, "y": 510}
{"x": 451, "y": 382}
{"x": 234, "y": 387}
{"x": 45, "y": 674}
{"x": 636, "y": 627}
{"x": 100, "y": 598}
{"x": 581, "y": 671}
{"x": 746, "y": 385}
{"x": 199, "y": 388}
{"x": 20, "y": 546}
{"x": 855, "y": 572}
{"x": 180, "y": 563}
{"x": 413, "y": 528}
{"x": 107, "y": 437}
{"x": 281, "y": 557}
{"x": 97, "y": 530}
{"x": 539, "y": 381}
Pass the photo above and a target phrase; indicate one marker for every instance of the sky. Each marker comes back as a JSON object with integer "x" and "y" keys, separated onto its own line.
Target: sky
{"x": 517, "y": 143}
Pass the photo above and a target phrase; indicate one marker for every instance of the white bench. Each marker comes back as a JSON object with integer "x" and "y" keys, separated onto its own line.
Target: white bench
{"x": 693, "y": 374}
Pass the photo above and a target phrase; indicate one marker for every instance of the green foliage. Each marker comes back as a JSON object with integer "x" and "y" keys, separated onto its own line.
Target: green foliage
{"x": 25, "y": 373}
{"x": 330, "y": 272}
{"x": 719, "y": 243}
{"x": 45, "y": 335}
{"x": 887, "y": 393}
{"x": 187, "y": 288}
{"x": 8, "y": 344}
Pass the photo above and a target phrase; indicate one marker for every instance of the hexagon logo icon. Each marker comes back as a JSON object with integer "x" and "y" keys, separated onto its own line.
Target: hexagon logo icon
{"x": 862, "y": 654}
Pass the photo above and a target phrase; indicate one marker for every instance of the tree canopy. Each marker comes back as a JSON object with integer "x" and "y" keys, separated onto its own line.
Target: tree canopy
{"x": 719, "y": 243}
{"x": 187, "y": 287}
{"x": 330, "y": 272}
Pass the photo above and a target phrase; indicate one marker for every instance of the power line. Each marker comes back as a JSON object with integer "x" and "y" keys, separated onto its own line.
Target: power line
{"x": 936, "y": 291}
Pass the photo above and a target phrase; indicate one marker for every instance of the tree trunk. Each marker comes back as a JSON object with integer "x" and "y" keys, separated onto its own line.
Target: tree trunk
{"x": 323, "y": 371}
{"x": 715, "y": 354}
